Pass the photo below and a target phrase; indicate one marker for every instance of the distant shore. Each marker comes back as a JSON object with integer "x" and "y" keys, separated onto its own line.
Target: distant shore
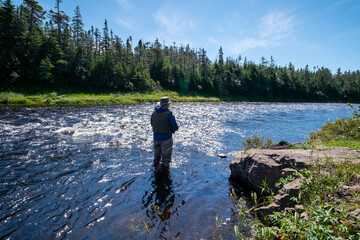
{"x": 52, "y": 98}
{"x": 57, "y": 98}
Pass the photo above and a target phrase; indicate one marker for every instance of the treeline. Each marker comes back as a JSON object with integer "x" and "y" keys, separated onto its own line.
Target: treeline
{"x": 50, "y": 50}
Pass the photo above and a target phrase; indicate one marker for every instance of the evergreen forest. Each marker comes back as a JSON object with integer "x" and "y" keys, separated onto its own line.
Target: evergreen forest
{"x": 46, "y": 51}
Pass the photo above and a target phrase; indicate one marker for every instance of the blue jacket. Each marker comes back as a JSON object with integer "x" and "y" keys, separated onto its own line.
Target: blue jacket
{"x": 162, "y": 137}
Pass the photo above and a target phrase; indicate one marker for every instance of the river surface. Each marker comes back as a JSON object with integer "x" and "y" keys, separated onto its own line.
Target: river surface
{"x": 87, "y": 173}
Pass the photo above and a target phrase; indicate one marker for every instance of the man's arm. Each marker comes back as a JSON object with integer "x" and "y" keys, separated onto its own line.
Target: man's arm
{"x": 173, "y": 122}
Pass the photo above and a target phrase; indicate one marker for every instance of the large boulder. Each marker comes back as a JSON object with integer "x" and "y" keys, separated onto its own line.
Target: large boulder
{"x": 258, "y": 167}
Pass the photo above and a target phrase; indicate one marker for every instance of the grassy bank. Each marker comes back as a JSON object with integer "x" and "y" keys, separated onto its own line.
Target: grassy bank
{"x": 54, "y": 98}
{"x": 74, "y": 97}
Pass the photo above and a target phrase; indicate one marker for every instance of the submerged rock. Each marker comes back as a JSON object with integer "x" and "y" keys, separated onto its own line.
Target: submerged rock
{"x": 221, "y": 155}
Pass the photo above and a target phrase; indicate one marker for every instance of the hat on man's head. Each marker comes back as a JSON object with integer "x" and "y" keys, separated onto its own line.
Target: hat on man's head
{"x": 164, "y": 101}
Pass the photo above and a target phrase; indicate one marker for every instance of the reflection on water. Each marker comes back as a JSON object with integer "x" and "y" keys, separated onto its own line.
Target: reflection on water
{"x": 159, "y": 202}
{"x": 86, "y": 172}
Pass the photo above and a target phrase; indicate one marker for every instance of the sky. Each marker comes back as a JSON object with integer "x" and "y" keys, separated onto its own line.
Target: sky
{"x": 317, "y": 33}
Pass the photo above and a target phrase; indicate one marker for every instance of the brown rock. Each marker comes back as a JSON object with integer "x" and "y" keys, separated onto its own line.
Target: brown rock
{"x": 258, "y": 166}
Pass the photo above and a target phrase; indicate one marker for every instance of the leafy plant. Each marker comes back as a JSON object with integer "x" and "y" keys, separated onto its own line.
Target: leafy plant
{"x": 283, "y": 181}
{"x": 267, "y": 191}
{"x": 256, "y": 142}
{"x": 356, "y": 113}
{"x": 323, "y": 179}
{"x": 243, "y": 230}
{"x": 324, "y": 223}
{"x": 218, "y": 225}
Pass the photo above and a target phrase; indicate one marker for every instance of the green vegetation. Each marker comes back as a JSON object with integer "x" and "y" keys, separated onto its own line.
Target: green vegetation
{"x": 327, "y": 213}
{"x": 54, "y": 98}
{"x": 53, "y": 51}
{"x": 283, "y": 181}
{"x": 341, "y": 133}
{"x": 256, "y": 142}
{"x": 324, "y": 223}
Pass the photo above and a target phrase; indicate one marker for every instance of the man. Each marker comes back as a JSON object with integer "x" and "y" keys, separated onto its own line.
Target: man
{"x": 164, "y": 125}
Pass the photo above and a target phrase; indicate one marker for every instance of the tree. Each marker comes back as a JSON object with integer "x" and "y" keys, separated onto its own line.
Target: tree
{"x": 77, "y": 25}
{"x": 58, "y": 17}
{"x": 61, "y": 54}
{"x": 106, "y": 37}
{"x": 35, "y": 13}
{"x": 10, "y": 36}
{"x": 221, "y": 57}
{"x": 219, "y": 74}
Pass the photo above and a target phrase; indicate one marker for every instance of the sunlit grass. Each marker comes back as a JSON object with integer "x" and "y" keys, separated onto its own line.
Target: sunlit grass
{"x": 342, "y": 133}
{"x": 54, "y": 98}
{"x": 352, "y": 144}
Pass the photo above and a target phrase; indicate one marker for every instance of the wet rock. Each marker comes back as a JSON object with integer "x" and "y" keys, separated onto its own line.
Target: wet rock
{"x": 221, "y": 155}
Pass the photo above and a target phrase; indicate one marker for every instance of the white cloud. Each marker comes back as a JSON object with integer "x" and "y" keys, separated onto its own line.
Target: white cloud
{"x": 246, "y": 44}
{"x": 273, "y": 29}
{"x": 348, "y": 34}
{"x": 276, "y": 26}
{"x": 213, "y": 41}
{"x": 125, "y": 24}
{"x": 341, "y": 2}
{"x": 125, "y": 4}
{"x": 173, "y": 23}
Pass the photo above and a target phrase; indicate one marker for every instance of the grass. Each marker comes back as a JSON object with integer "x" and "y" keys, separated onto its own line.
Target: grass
{"x": 342, "y": 133}
{"x": 43, "y": 97}
{"x": 55, "y": 98}
{"x": 351, "y": 144}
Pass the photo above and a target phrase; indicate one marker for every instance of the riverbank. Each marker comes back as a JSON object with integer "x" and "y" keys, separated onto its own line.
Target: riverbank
{"x": 91, "y": 98}
{"x": 55, "y": 98}
{"x": 312, "y": 192}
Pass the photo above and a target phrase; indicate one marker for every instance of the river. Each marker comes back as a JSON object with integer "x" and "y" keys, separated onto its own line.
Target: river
{"x": 86, "y": 172}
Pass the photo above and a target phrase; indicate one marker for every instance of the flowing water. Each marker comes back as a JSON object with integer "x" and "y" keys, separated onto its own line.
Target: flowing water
{"x": 87, "y": 173}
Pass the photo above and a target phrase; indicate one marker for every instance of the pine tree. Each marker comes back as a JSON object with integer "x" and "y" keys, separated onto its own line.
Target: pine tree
{"x": 9, "y": 35}
{"x": 106, "y": 38}
{"x": 219, "y": 74}
{"x": 59, "y": 18}
{"x": 35, "y": 13}
{"x": 77, "y": 25}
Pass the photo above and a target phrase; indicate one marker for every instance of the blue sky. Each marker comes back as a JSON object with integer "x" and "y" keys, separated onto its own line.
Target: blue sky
{"x": 314, "y": 32}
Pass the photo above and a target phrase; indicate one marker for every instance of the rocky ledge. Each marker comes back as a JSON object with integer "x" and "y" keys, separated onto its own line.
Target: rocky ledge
{"x": 255, "y": 167}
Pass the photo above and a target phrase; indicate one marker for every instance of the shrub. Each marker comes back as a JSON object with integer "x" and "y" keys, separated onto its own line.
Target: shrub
{"x": 343, "y": 132}
{"x": 256, "y": 142}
